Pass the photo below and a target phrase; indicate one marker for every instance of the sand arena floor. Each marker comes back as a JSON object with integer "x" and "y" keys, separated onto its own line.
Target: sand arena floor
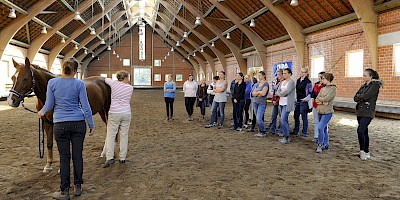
{"x": 183, "y": 160}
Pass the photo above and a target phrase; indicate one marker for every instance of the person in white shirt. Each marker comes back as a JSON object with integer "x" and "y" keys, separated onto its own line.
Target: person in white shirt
{"x": 119, "y": 117}
{"x": 190, "y": 93}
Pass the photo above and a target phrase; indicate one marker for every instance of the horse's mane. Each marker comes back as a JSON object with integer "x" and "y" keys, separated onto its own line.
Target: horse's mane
{"x": 44, "y": 70}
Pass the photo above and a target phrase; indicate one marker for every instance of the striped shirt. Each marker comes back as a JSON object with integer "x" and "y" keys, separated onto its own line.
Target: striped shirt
{"x": 121, "y": 94}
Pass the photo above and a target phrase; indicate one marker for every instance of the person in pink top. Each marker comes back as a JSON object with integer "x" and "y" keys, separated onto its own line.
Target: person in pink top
{"x": 119, "y": 117}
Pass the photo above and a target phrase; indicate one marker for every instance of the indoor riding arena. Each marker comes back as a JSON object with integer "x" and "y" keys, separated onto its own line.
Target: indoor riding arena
{"x": 326, "y": 72}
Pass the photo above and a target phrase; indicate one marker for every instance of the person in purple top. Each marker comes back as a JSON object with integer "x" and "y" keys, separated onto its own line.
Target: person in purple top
{"x": 71, "y": 107}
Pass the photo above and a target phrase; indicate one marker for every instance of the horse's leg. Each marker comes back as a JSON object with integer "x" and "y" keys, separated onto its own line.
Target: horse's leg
{"x": 49, "y": 136}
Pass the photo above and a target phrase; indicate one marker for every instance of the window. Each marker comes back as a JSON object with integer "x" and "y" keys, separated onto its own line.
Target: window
{"x": 396, "y": 49}
{"x": 104, "y": 75}
{"x": 355, "y": 63}
{"x": 317, "y": 65}
{"x": 114, "y": 76}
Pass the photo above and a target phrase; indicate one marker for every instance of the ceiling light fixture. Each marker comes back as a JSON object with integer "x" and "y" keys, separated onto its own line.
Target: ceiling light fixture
{"x": 198, "y": 21}
{"x": 194, "y": 54}
{"x": 294, "y": 3}
{"x": 252, "y": 23}
{"x": 117, "y": 55}
{"x": 202, "y": 50}
{"x": 114, "y": 52}
{"x": 62, "y": 40}
{"x": 76, "y": 47}
{"x": 92, "y": 31}
{"x": 98, "y": 58}
{"x": 228, "y": 36}
{"x": 183, "y": 60}
{"x": 212, "y": 44}
{"x": 44, "y": 30}
{"x": 109, "y": 48}
{"x": 77, "y": 16}
{"x": 185, "y": 34}
{"x": 12, "y": 13}
{"x": 86, "y": 52}
{"x": 172, "y": 48}
{"x": 168, "y": 54}
{"x": 92, "y": 55}
{"x": 178, "y": 44}
{"x": 102, "y": 41}
{"x": 165, "y": 57}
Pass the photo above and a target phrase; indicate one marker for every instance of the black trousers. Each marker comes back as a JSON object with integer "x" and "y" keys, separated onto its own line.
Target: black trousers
{"x": 189, "y": 104}
{"x": 169, "y": 104}
{"x": 362, "y": 131}
{"x": 67, "y": 133}
{"x": 246, "y": 111}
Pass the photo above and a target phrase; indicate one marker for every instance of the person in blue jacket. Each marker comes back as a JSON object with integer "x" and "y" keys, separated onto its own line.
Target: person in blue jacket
{"x": 169, "y": 96}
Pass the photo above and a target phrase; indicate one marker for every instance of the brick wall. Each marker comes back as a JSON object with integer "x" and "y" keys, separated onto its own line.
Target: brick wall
{"x": 172, "y": 65}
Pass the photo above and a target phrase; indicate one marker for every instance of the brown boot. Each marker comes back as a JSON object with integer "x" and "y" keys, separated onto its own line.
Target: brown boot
{"x": 62, "y": 195}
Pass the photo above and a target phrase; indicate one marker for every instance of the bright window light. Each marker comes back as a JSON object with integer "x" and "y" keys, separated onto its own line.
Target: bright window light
{"x": 317, "y": 65}
{"x": 355, "y": 63}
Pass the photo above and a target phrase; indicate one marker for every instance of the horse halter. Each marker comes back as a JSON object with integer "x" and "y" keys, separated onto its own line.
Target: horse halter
{"x": 30, "y": 91}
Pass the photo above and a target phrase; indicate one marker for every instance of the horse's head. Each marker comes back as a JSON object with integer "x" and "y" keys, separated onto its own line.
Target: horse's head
{"x": 23, "y": 83}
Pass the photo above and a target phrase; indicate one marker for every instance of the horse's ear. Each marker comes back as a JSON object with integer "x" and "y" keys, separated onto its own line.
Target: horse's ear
{"x": 16, "y": 65}
{"x": 27, "y": 63}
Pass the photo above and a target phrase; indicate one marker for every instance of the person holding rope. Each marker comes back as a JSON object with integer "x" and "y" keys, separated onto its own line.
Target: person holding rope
{"x": 71, "y": 107}
{"x": 119, "y": 117}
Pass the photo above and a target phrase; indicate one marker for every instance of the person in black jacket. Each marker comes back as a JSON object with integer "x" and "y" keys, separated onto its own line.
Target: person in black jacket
{"x": 202, "y": 98}
{"x": 238, "y": 97}
{"x": 365, "y": 109}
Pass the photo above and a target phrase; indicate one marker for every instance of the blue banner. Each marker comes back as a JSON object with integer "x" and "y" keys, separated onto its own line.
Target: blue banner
{"x": 282, "y": 65}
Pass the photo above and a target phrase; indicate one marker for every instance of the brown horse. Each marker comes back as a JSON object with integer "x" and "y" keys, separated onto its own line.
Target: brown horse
{"x": 31, "y": 78}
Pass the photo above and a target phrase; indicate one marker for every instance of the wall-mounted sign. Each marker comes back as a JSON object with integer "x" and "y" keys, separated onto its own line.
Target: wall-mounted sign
{"x": 282, "y": 65}
{"x": 142, "y": 42}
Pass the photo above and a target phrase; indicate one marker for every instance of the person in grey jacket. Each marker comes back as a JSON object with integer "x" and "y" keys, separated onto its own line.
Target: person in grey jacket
{"x": 365, "y": 109}
{"x": 287, "y": 94}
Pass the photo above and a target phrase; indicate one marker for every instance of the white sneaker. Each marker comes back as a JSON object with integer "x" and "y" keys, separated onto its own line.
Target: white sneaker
{"x": 368, "y": 155}
{"x": 363, "y": 155}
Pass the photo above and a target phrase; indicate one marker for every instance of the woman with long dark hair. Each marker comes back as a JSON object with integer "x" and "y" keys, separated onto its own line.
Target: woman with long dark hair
{"x": 238, "y": 96}
{"x": 202, "y": 98}
{"x": 366, "y": 98}
{"x": 68, "y": 97}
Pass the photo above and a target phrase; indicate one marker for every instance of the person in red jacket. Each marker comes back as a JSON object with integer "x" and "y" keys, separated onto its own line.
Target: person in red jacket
{"x": 317, "y": 88}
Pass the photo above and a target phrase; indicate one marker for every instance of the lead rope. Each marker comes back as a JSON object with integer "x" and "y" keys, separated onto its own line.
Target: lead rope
{"x": 40, "y": 132}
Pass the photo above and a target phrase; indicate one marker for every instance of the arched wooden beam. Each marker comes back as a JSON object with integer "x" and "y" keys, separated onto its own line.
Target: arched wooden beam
{"x": 57, "y": 49}
{"x": 38, "y": 42}
{"x": 11, "y": 29}
{"x": 292, "y": 27}
{"x": 232, "y": 47}
{"x": 368, "y": 19}
{"x": 255, "y": 39}
{"x": 88, "y": 39}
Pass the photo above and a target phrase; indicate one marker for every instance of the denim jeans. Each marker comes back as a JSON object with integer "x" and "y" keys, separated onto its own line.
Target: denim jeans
{"x": 274, "y": 116}
{"x": 284, "y": 121}
{"x": 259, "y": 110}
{"x": 67, "y": 133}
{"x": 214, "y": 109}
{"x": 301, "y": 109}
{"x": 203, "y": 105}
{"x": 238, "y": 113}
{"x": 323, "y": 137}
{"x": 362, "y": 131}
{"x": 169, "y": 104}
{"x": 316, "y": 121}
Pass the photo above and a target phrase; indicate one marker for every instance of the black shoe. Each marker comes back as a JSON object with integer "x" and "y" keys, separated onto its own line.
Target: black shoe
{"x": 78, "y": 190}
{"x": 108, "y": 163}
{"x": 122, "y": 161}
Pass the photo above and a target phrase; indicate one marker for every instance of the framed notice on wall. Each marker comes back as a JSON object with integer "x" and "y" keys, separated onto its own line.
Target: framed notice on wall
{"x": 179, "y": 77}
{"x": 157, "y": 77}
{"x": 142, "y": 76}
{"x": 157, "y": 63}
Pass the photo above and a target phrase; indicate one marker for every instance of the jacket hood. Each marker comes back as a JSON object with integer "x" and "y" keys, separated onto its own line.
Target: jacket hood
{"x": 377, "y": 81}
{"x": 330, "y": 86}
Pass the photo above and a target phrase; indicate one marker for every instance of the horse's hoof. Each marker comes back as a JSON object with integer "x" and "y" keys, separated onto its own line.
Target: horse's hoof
{"x": 47, "y": 169}
{"x": 58, "y": 171}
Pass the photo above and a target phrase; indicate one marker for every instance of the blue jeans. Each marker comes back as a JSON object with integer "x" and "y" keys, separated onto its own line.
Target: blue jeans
{"x": 284, "y": 121}
{"x": 221, "y": 106}
{"x": 301, "y": 109}
{"x": 275, "y": 113}
{"x": 259, "y": 110}
{"x": 203, "y": 105}
{"x": 238, "y": 113}
{"x": 323, "y": 137}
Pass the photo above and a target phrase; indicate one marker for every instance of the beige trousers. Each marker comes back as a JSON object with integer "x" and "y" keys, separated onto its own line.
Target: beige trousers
{"x": 117, "y": 123}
